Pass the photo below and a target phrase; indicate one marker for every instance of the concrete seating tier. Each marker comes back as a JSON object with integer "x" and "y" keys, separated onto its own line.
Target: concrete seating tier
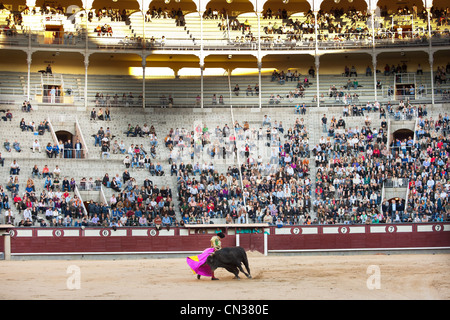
{"x": 190, "y": 34}
{"x": 163, "y": 120}
{"x": 158, "y": 28}
{"x": 184, "y": 90}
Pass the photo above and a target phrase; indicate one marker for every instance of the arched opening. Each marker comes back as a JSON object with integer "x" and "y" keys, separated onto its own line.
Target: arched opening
{"x": 66, "y": 138}
{"x": 230, "y": 8}
{"x": 343, "y": 8}
{"x": 403, "y": 135}
{"x": 276, "y": 8}
{"x": 402, "y": 140}
{"x": 397, "y": 200}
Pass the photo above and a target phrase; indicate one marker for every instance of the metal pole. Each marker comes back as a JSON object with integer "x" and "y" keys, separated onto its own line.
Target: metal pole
{"x": 86, "y": 62}
{"x": 317, "y": 62}
{"x": 202, "y": 63}
{"x": 86, "y": 65}
{"x": 144, "y": 64}
{"x": 374, "y": 65}
{"x": 265, "y": 243}
{"x": 258, "y": 15}
{"x": 28, "y": 74}
{"x": 373, "y": 28}
{"x": 430, "y": 59}
{"x": 143, "y": 30}
{"x": 144, "y": 58}
{"x": 201, "y": 84}
{"x": 259, "y": 84}
{"x": 430, "y": 54}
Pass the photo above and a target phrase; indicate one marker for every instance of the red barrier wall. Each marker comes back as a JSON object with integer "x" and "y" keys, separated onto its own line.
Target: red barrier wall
{"x": 296, "y": 238}
{"x": 361, "y": 237}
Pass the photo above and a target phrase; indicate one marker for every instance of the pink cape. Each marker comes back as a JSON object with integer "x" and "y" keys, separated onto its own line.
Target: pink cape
{"x": 198, "y": 263}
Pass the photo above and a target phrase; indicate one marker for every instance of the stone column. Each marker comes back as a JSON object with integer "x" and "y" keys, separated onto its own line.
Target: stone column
{"x": 7, "y": 246}
{"x": 202, "y": 67}
{"x": 259, "y": 83}
{"x": 144, "y": 64}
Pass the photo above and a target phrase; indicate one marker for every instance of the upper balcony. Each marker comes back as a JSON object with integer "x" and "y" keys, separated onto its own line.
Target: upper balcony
{"x": 229, "y": 29}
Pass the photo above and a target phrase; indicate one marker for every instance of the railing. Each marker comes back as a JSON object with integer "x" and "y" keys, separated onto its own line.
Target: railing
{"x": 383, "y": 196}
{"x": 90, "y": 185}
{"x": 396, "y": 182}
{"x": 84, "y": 151}
{"x": 402, "y": 116}
{"x": 104, "y": 200}
{"x": 77, "y": 192}
{"x": 383, "y": 39}
{"x": 415, "y": 140}
{"x": 237, "y": 153}
{"x": 52, "y": 131}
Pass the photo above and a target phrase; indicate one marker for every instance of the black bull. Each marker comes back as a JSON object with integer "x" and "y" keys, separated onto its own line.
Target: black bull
{"x": 230, "y": 258}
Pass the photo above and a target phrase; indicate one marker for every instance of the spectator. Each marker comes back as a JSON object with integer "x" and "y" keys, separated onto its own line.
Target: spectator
{"x": 16, "y": 146}
{"x": 14, "y": 168}
{"x": 36, "y": 146}
{"x": 236, "y": 90}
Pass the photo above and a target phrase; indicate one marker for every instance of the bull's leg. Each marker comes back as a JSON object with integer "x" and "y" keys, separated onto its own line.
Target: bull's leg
{"x": 246, "y": 274}
{"x": 234, "y": 271}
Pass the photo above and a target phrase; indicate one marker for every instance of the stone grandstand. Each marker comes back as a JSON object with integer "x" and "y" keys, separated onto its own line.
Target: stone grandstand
{"x": 91, "y": 71}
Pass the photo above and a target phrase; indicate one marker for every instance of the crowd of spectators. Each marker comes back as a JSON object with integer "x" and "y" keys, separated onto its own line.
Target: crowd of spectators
{"x": 53, "y": 150}
{"x": 136, "y": 155}
{"x": 125, "y": 100}
{"x": 297, "y": 92}
{"x": 113, "y": 14}
{"x": 273, "y": 187}
{"x": 336, "y": 27}
{"x": 164, "y": 13}
{"x": 104, "y": 30}
{"x": 352, "y": 163}
{"x": 426, "y": 164}
{"x": 130, "y": 204}
{"x": 55, "y": 205}
{"x": 351, "y": 168}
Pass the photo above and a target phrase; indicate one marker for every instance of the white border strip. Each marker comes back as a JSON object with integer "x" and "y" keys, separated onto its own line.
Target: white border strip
{"x": 358, "y": 249}
{"x": 103, "y": 253}
{"x": 197, "y": 252}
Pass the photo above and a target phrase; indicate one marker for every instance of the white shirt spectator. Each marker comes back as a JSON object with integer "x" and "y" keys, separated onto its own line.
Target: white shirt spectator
{"x": 36, "y": 145}
{"x": 27, "y": 214}
{"x": 57, "y": 171}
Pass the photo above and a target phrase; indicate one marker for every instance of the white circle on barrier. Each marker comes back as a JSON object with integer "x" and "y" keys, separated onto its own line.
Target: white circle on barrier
{"x": 105, "y": 233}
{"x": 391, "y": 229}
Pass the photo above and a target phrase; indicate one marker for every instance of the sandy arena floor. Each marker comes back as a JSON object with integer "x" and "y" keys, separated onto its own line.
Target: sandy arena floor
{"x": 404, "y": 276}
